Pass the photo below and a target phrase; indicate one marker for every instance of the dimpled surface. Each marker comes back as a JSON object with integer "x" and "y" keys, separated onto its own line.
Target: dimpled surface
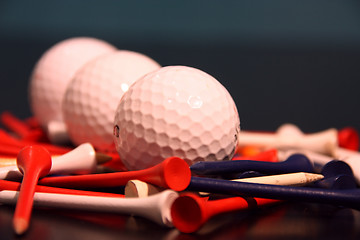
{"x": 175, "y": 111}
{"x": 91, "y": 98}
{"x": 54, "y": 70}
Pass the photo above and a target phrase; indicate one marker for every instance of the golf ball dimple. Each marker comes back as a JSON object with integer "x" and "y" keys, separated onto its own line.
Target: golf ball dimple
{"x": 92, "y": 96}
{"x": 55, "y": 69}
{"x": 175, "y": 111}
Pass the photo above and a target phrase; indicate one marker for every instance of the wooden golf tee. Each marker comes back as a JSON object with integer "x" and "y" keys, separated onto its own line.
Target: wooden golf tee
{"x": 155, "y": 207}
{"x": 189, "y": 211}
{"x": 15, "y": 186}
{"x": 289, "y": 136}
{"x": 352, "y": 158}
{"x": 294, "y": 163}
{"x": 346, "y": 198}
{"x": 81, "y": 159}
{"x": 137, "y": 188}
{"x": 34, "y": 162}
{"x": 173, "y": 173}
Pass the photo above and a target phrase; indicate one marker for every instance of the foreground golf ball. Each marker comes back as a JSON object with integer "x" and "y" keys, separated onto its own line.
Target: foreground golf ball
{"x": 92, "y": 96}
{"x": 175, "y": 111}
{"x": 55, "y": 69}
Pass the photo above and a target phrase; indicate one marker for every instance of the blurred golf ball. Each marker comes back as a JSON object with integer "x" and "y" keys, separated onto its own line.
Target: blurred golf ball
{"x": 55, "y": 69}
{"x": 92, "y": 96}
{"x": 175, "y": 111}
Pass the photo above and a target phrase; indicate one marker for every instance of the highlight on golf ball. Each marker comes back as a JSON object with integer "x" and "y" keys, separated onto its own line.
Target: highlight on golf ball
{"x": 93, "y": 94}
{"x": 175, "y": 111}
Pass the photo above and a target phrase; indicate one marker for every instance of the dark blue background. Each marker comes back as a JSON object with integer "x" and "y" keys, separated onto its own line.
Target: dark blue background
{"x": 282, "y": 61}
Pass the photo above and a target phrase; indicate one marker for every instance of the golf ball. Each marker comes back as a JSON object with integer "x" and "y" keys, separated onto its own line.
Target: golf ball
{"x": 175, "y": 111}
{"x": 55, "y": 69}
{"x": 93, "y": 94}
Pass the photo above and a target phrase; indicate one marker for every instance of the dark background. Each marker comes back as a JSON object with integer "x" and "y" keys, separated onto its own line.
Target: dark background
{"x": 282, "y": 61}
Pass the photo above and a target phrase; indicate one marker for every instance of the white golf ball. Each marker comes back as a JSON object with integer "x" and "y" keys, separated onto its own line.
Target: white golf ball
{"x": 55, "y": 69}
{"x": 92, "y": 96}
{"x": 175, "y": 111}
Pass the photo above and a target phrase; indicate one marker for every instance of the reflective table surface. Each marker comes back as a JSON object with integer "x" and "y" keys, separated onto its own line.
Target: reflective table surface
{"x": 286, "y": 220}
